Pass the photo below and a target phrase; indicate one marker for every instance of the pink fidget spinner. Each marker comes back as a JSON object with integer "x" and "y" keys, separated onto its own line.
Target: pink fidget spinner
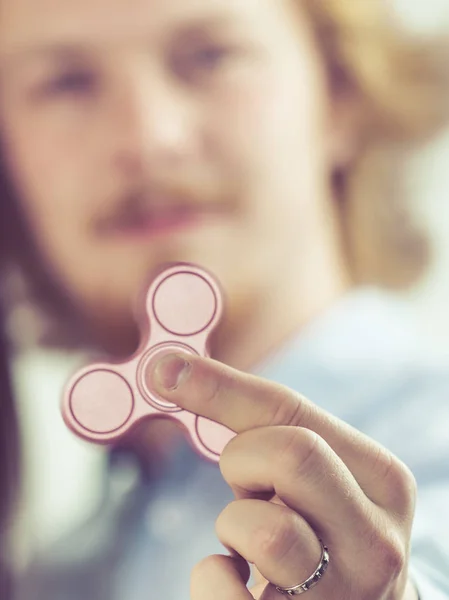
{"x": 104, "y": 401}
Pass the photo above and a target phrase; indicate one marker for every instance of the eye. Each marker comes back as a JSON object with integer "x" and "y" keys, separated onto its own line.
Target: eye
{"x": 202, "y": 61}
{"x": 209, "y": 57}
{"x": 71, "y": 83}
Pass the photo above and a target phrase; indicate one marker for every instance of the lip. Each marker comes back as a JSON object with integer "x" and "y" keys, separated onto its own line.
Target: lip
{"x": 156, "y": 223}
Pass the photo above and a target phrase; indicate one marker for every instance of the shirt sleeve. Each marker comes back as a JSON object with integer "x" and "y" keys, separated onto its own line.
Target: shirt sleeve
{"x": 429, "y": 562}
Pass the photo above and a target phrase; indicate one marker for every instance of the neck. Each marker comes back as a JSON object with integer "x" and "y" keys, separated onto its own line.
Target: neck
{"x": 286, "y": 306}
{"x": 304, "y": 290}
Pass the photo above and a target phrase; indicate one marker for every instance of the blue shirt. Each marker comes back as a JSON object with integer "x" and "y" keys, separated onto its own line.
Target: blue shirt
{"x": 360, "y": 361}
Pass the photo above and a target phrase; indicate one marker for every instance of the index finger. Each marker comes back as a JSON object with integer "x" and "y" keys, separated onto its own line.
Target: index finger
{"x": 243, "y": 402}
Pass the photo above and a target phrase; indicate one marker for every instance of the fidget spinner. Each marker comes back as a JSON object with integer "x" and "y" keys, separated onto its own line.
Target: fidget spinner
{"x": 104, "y": 401}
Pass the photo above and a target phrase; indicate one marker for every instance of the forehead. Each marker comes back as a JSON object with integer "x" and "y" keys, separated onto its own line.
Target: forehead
{"x": 28, "y": 22}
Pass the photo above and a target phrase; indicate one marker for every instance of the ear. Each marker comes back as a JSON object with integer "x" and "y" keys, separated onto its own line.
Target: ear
{"x": 344, "y": 127}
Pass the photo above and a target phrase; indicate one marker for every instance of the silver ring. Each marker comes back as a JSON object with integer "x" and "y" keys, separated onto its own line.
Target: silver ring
{"x": 311, "y": 581}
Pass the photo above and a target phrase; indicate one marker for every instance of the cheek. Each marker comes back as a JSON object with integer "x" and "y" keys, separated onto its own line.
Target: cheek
{"x": 49, "y": 167}
{"x": 43, "y": 155}
{"x": 271, "y": 128}
{"x": 275, "y": 118}
{"x": 46, "y": 169}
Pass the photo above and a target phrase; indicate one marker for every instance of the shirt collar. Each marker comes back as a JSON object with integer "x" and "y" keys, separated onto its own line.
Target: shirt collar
{"x": 366, "y": 333}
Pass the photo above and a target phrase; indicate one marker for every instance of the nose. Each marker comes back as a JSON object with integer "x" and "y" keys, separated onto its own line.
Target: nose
{"x": 152, "y": 124}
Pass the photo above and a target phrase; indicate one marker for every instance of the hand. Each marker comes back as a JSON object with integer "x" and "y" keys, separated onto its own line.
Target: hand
{"x": 298, "y": 474}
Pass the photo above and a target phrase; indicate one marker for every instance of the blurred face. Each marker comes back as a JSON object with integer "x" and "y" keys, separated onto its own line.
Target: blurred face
{"x": 144, "y": 131}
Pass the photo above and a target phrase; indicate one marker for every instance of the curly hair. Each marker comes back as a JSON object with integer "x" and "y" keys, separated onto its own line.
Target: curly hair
{"x": 401, "y": 83}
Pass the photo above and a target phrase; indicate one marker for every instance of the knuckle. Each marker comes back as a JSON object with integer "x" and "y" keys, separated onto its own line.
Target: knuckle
{"x": 398, "y": 481}
{"x": 382, "y": 463}
{"x": 388, "y": 557}
{"x": 215, "y": 385}
{"x": 300, "y": 452}
{"x": 212, "y": 390}
{"x": 394, "y": 559}
{"x": 201, "y": 571}
{"x": 277, "y": 540}
{"x": 406, "y": 489}
{"x": 227, "y": 515}
{"x": 292, "y": 408}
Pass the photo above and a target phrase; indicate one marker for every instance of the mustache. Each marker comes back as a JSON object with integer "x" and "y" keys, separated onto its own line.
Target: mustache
{"x": 203, "y": 191}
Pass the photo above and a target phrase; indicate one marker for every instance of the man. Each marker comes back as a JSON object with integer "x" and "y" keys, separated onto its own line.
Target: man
{"x": 235, "y": 135}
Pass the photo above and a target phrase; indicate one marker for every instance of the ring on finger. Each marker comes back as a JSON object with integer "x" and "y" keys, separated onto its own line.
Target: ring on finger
{"x": 311, "y": 581}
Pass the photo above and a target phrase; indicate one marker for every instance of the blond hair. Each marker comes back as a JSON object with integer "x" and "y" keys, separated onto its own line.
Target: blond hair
{"x": 402, "y": 85}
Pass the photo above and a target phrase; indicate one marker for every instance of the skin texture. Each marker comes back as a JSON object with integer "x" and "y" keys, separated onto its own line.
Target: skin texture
{"x": 219, "y": 107}
{"x": 297, "y": 473}
{"x": 220, "y": 110}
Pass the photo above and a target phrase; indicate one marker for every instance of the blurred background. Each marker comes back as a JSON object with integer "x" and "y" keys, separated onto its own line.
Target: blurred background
{"x": 57, "y": 487}
{"x": 428, "y": 179}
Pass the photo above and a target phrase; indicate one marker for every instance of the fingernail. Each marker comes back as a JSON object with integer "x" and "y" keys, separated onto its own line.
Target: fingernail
{"x": 171, "y": 371}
